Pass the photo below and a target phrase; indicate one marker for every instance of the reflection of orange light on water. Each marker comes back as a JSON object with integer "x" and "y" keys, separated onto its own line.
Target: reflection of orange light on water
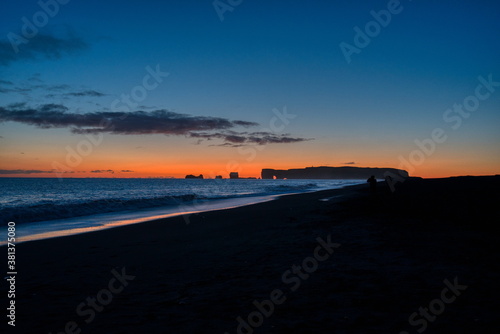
{"x": 73, "y": 231}
{"x": 191, "y": 209}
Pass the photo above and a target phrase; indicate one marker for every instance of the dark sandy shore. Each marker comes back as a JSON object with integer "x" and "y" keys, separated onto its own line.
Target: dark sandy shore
{"x": 433, "y": 244}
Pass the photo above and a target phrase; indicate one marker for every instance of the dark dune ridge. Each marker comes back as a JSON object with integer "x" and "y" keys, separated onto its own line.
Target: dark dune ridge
{"x": 392, "y": 255}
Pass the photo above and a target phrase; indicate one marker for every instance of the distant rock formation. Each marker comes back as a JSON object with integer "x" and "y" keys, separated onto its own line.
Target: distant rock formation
{"x": 218, "y": 176}
{"x": 234, "y": 175}
{"x": 190, "y": 176}
{"x": 331, "y": 173}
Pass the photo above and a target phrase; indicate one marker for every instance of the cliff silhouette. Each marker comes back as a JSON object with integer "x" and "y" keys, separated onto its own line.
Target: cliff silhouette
{"x": 331, "y": 173}
{"x": 191, "y": 176}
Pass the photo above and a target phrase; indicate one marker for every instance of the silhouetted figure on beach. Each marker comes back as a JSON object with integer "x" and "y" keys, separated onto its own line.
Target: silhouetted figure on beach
{"x": 373, "y": 184}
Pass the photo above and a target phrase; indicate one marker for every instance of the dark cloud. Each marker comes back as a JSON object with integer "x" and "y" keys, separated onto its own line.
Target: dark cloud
{"x": 127, "y": 171}
{"x": 237, "y": 139}
{"x": 137, "y": 122}
{"x": 88, "y": 92}
{"x": 141, "y": 123}
{"x": 54, "y": 91}
{"x": 103, "y": 171}
{"x": 229, "y": 136}
{"x": 28, "y": 88}
{"x": 31, "y": 171}
{"x": 17, "y": 105}
{"x": 24, "y": 171}
{"x": 19, "y": 90}
{"x": 349, "y": 163}
{"x": 82, "y": 93}
{"x": 42, "y": 45}
{"x": 142, "y": 106}
{"x": 53, "y": 88}
{"x": 271, "y": 138}
{"x": 36, "y": 77}
{"x": 244, "y": 123}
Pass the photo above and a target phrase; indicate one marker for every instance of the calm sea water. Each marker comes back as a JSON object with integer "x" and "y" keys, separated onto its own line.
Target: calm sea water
{"x": 41, "y": 205}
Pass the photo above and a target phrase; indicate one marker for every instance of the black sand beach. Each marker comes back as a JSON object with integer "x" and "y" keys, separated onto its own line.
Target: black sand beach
{"x": 432, "y": 247}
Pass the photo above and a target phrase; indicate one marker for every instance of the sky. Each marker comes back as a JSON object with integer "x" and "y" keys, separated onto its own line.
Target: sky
{"x": 169, "y": 88}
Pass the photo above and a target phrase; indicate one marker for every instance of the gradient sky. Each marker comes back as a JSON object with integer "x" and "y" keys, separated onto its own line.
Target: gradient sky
{"x": 264, "y": 58}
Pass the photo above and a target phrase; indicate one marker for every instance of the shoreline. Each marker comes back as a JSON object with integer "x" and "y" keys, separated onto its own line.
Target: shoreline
{"x": 100, "y": 222}
{"x": 64, "y": 226}
{"x": 94, "y": 223}
{"x": 395, "y": 252}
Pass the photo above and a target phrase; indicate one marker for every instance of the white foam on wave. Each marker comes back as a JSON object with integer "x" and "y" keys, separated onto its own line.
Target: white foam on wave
{"x": 77, "y": 225}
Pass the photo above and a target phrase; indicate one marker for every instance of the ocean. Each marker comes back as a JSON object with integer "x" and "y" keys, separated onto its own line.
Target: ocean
{"x": 51, "y": 207}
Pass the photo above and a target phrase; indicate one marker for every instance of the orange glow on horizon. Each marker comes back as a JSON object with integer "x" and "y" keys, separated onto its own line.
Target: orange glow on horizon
{"x": 245, "y": 171}
{"x": 177, "y": 161}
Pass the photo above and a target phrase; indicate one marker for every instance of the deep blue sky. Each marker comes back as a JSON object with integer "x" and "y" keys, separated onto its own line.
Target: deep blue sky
{"x": 271, "y": 54}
